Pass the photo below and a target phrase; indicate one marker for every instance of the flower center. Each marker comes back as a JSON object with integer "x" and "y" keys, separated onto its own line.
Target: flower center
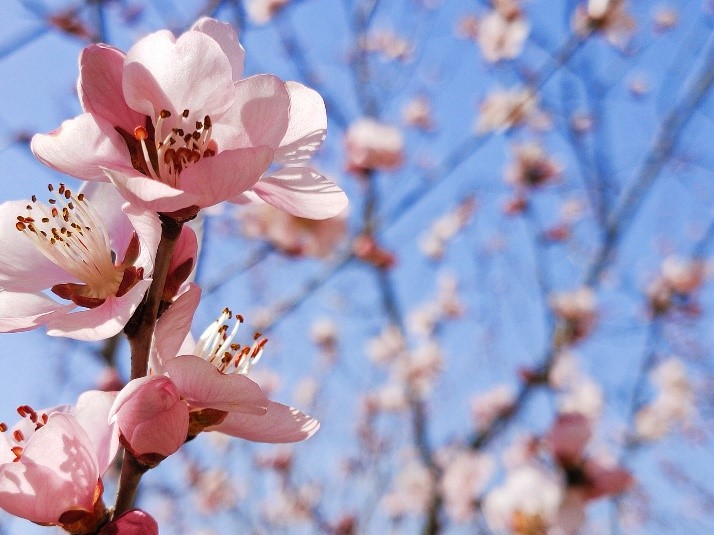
{"x": 166, "y": 150}
{"x": 217, "y": 347}
{"x": 71, "y": 234}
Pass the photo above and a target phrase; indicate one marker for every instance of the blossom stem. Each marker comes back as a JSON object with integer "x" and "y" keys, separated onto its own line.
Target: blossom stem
{"x": 140, "y": 328}
{"x": 131, "y": 472}
{"x": 139, "y": 331}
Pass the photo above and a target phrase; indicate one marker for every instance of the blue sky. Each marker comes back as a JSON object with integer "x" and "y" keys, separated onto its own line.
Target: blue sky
{"x": 504, "y": 328}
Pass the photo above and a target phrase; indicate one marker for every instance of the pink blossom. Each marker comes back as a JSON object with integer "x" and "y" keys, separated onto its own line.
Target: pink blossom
{"x": 370, "y": 144}
{"x": 420, "y": 368}
{"x": 682, "y": 275}
{"x": 492, "y": 404}
{"x": 504, "y": 109}
{"x": 171, "y": 142}
{"x": 387, "y": 43}
{"x": 607, "y": 16}
{"x": 133, "y": 522}
{"x": 85, "y": 248}
{"x": 465, "y": 476}
{"x": 502, "y": 37}
{"x": 417, "y": 113}
{"x": 532, "y": 167}
{"x": 214, "y": 490}
{"x": 673, "y": 404}
{"x": 367, "y": 249}
{"x": 211, "y": 376}
{"x": 325, "y": 335}
{"x": 433, "y": 243}
{"x": 678, "y": 277}
{"x": 411, "y": 490}
{"x": 583, "y": 396}
{"x": 665, "y": 18}
{"x": 290, "y": 234}
{"x": 593, "y": 477}
{"x": 578, "y": 308}
{"x": 526, "y": 502}
{"x": 262, "y": 11}
{"x": 52, "y": 460}
{"x": 568, "y": 437}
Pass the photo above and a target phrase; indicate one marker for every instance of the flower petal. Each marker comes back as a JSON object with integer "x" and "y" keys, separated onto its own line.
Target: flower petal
{"x": 281, "y": 424}
{"x": 204, "y": 386}
{"x": 24, "y": 311}
{"x": 81, "y": 146}
{"x": 165, "y": 73}
{"x": 107, "y": 202}
{"x": 173, "y": 326}
{"x": 102, "y": 322}
{"x": 147, "y": 225}
{"x": 226, "y": 175}
{"x": 226, "y": 36}
{"x": 259, "y": 115}
{"x": 100, "y": 86}
{"x": 302, "y": 192}
{"x": 307, "y": 125}
{"x": 92, "y": 413}
{"x": 23, "y": 267}
{"x": 148, "y": 193}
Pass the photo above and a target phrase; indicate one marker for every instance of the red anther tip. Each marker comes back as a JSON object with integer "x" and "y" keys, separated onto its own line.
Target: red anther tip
{"x": 140, "y": 133}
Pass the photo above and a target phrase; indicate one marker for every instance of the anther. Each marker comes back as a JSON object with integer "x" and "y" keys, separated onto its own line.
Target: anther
{"x": 165, "y": 114}
{"x": 140, "y": 133}
{"x": 185, "y": 114}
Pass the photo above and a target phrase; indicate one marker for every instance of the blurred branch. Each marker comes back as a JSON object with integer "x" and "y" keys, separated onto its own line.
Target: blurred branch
{"x": 295, "y": 51}
{"x": 237, "y": 268}
{"x": 473, "y": 144}
{"x": 662, "y": 148}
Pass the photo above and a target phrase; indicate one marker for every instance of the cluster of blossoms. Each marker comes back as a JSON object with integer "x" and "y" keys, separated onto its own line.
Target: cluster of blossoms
{"x": 168, "y": 128}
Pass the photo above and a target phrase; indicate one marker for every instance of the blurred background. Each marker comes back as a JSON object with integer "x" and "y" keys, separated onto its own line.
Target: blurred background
{"x": 509, "y": 331}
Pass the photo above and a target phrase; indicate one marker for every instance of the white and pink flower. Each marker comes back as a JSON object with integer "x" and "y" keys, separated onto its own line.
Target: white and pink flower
{"x": 85, "y": 248}
{"x": 370, "y": 144}
{"x": 52, "y": 461}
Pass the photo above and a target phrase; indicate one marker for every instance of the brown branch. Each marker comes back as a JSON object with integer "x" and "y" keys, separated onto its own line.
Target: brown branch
{"x": 140, "y": 330}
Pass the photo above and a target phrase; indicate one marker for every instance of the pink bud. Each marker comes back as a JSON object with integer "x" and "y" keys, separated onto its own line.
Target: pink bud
{"x": 134, "y": 522}
{"x": 152, "y": 418}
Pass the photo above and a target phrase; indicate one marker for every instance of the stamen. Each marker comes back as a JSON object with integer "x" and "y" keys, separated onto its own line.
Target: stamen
{"x": 70, "y": 233}
{"x": 216, "y": 345}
